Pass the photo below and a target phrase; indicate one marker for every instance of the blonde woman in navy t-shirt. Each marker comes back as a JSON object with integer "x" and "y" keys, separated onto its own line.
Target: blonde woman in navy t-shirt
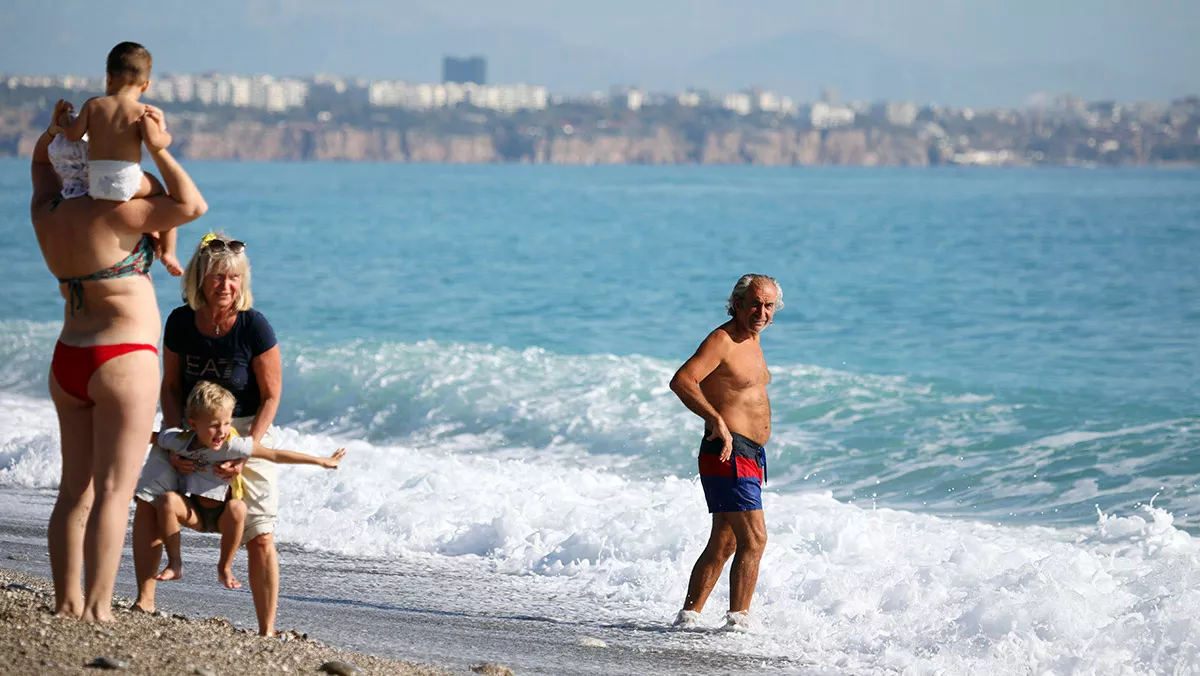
{"x": 218, "y": 336}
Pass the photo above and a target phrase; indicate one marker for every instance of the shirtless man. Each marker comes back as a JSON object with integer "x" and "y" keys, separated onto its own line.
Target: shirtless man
{"x": 725, "y": 383}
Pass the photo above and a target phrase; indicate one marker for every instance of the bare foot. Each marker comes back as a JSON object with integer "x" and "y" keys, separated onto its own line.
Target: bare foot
{"x": 105, "y": 616}
{"x": 225, "y": 575}
{"x": 137, "y": 607}
{"x": 171, "y": 263}
{"x": 171, "y": 572}
{"x": 69, "y": 609}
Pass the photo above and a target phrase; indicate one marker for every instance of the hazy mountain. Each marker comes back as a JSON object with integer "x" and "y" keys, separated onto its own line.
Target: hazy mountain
{"x": 1014, "y": 83}
{"x": 801, "y": 64}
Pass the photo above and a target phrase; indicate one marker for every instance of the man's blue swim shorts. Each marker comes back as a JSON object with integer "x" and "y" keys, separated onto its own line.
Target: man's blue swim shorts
{"x": 734, "y": 485}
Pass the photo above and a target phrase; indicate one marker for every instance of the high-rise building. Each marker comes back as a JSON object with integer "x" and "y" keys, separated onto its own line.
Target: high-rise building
{"x": 471, "y": 70}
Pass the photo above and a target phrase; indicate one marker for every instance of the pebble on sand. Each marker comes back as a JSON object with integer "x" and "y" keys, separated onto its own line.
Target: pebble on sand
{"x": 339, "y": 668}
{"x": 490, "y": 669}
{"x": 103, "y": 662}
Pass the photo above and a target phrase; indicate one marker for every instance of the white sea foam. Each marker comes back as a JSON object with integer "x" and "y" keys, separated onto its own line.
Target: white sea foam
{"x": 1074, "y": 437}
{"x": 853, "y": 589}
{"x": 885, "y": 439}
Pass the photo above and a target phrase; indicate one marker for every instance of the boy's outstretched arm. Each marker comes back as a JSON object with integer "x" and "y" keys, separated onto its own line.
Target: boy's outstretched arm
{"x": 282, "y": 457}
{"x": 78, "y": 128}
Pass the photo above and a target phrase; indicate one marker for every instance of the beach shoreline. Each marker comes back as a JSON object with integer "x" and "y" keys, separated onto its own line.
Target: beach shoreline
{"x": 401, "y": 610}
{"x": 34, "y": 640}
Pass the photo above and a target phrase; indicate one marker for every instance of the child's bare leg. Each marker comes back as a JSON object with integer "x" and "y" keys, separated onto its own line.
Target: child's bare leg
{"x": 173, "y": 512}
{"x": 157, "y": 243}
{"x": 231, "y": 523}
{"x": 166, "y": 252}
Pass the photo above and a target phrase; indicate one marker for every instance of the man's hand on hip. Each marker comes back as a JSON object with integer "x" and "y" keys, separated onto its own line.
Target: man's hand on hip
{"x": 720, "y": 431}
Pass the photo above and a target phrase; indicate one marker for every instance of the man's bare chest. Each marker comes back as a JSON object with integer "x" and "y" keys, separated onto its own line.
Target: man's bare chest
{"x": 746, "y": 370}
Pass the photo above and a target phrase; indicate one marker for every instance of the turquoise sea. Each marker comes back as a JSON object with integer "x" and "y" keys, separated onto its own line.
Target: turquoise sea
{"x": 985, "y": 394}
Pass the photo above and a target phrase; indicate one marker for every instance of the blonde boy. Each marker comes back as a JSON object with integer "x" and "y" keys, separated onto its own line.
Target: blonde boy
{"x": 201, "y": 500}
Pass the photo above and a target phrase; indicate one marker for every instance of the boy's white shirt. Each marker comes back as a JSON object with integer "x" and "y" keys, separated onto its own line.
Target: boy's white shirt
{"x": 204, "y": 481}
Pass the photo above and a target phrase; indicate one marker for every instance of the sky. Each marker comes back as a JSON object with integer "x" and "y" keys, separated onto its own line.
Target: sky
{"x": 948, "y": 51}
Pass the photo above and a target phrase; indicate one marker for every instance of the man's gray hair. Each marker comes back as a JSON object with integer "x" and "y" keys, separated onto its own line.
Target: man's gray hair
{"x": 743, "y": 285}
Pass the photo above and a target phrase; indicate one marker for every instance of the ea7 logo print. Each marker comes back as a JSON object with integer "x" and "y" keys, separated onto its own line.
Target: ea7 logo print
{"x": 200, "y": 367}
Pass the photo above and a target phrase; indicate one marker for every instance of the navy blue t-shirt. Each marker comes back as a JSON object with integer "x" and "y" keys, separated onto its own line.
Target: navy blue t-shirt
{"x": 224, "y": 360}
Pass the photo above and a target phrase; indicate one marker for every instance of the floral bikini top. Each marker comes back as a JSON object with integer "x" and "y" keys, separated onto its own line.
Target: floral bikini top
{"x": 136, "y": 263}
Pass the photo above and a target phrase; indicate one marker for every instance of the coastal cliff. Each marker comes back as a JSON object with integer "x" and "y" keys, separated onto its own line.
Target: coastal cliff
{"x": 580, "y": 135}
{"x": 660, "y": 145}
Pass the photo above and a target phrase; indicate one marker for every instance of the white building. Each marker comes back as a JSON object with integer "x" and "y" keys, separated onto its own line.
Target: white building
{"x": 739, "y": 102}
{"x": 631, "y": 98}
{"x": 185, "y": 88}
{"x": 260, "y": 91}
{"x": 276, "y": 97}
{"x": 896, "y": 113}
{"x": 224, "y": 92}
{"x": 427, "y": 96}
{"x": 825, "y": 116}
{"x": 161, "y": 90}
{"x": 508, "y": 98}
{"x": 772, "y": 102}
{"x": 240, "y": 90}
{"x": 768, "y": 102}
{"x": 384, "y": 94}
{"x": 634, "y": 98}
{"x": 294, "y": 93}
{"x": 206, "y": 90}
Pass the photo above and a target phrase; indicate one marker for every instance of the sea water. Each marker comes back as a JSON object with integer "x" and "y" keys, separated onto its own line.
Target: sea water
{"x": 985, "y": 383}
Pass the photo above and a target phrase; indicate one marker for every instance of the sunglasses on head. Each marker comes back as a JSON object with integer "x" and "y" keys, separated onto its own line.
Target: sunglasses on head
{"x": 233, "y": 246}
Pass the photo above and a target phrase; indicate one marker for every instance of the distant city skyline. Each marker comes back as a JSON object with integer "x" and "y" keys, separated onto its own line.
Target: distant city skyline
{"x": 922, "y": 50}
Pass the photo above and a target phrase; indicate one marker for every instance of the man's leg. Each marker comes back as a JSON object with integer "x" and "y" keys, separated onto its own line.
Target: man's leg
{"x": 147, "y": 553}
{"x": 264, "y": 580}
{"x": 750, "y": 531}
{"x": 706, "y": 572}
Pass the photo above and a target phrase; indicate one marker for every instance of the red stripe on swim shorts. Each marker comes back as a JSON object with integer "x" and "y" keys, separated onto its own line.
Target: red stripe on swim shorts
{"x": 747, "y": 468}
{"x": 711, "y": 465}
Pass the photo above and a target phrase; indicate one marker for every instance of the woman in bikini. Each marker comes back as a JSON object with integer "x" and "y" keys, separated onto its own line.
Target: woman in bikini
{"x": 104, "y": 376}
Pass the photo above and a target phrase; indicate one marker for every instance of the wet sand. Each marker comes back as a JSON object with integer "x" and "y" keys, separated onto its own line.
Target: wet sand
{"x": 449, "y": 616}
{"x": 34, "y": 641}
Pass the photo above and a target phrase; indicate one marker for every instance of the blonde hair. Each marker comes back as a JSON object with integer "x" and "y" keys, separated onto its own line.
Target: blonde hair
{"x": 205, "y": 262}
{"x": 209, "y": 397}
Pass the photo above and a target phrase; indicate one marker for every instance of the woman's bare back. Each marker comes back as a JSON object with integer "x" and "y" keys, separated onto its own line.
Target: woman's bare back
{"x": 81, "y": 236}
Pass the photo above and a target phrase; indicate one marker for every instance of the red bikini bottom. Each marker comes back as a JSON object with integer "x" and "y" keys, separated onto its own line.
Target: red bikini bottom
{"x": 73, "y": 366}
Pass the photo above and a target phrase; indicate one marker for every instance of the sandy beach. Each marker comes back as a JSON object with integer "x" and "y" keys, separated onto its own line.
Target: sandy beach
{"x": 34, "y": 641}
